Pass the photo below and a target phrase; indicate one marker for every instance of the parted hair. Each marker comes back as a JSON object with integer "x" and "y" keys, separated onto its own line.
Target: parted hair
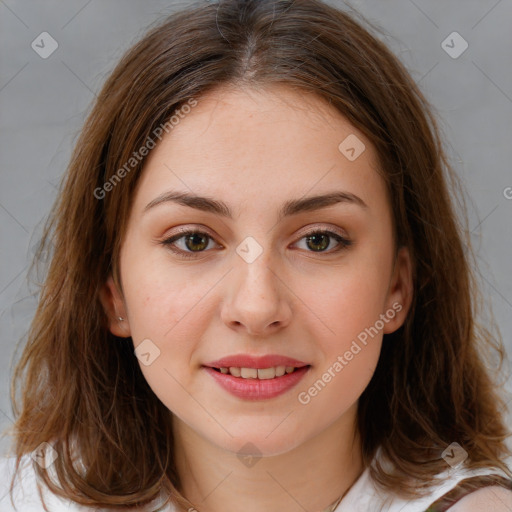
{"x": 80, "y": 388}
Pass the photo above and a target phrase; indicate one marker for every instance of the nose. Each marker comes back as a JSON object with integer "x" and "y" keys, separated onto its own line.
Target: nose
{"x": 258, "y": 299}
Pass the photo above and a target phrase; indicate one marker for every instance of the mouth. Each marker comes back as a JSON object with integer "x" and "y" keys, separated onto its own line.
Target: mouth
{"x": 248, "y": 383}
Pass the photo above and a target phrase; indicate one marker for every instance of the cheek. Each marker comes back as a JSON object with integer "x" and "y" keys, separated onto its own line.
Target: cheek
{"x": 350, "y": 304}
{"x": 168, "y": 311}
{"x": 162, "y": 298}
{"x": 351, "y": 299}
{"x": 169, "y": 306}
{"x": 350, "y": 307}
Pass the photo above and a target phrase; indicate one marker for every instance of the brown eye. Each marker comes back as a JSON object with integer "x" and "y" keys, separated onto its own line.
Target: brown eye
{"x": 196, "y": 241}
{"x": 320, "y": 241}
{"x": 188, "y": 243}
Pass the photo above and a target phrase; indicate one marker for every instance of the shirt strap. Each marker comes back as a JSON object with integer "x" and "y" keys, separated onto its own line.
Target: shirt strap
{"x": 465, "y": 487}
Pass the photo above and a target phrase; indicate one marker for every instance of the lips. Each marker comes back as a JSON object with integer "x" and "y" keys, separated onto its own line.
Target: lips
{"x": 248, "y": 377}
{"x": 256, "y": 389}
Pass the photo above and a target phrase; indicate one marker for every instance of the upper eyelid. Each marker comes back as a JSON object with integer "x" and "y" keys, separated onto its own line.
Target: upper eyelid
{"x": 322, "y": 228}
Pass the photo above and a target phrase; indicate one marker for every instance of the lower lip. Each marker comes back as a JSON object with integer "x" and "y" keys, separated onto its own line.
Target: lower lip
{"x": 256, "y": 389}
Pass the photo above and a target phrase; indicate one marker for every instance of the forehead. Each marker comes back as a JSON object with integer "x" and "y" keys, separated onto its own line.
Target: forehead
{"x": 268, "y": 142}
{"x": 234, "y": 121}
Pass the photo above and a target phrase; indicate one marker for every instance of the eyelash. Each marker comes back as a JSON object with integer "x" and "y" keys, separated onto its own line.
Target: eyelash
{"x": 168, "y": 242}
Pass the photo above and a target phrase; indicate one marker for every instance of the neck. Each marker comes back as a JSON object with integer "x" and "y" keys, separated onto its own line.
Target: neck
{"x": 309, "y": 477}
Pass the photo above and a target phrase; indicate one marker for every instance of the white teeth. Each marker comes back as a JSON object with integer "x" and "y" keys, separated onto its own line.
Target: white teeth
{"x": 266, "y": 373}
{"x": 257, "y": 373}
{"x": 249, "y": 373}
{"x": 280, "y": 371}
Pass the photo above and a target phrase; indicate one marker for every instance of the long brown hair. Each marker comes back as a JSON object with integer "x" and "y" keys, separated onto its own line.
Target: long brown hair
{"x": 81, "y": 387}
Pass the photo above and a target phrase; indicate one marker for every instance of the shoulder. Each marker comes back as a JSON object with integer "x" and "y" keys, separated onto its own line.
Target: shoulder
{"x": 25, "y": 494}
{"x": 495, "y": 498}
{"x": 459, "y": 489}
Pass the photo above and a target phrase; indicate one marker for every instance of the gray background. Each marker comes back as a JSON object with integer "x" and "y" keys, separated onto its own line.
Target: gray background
{"x": 43, "y": 103}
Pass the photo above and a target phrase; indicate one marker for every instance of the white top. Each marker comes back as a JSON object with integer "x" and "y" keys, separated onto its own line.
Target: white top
{"x": 363, "y": 496}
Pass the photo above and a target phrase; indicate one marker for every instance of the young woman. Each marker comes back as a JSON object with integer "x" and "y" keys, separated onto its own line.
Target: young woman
{"x": 259, "y": 296}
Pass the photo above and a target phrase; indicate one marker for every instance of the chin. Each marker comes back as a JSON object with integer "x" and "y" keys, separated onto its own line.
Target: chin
{"x": 260, "y": 440}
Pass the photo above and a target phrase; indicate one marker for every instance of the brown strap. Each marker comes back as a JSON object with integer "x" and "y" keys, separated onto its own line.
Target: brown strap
{"x": 465, "y": 487}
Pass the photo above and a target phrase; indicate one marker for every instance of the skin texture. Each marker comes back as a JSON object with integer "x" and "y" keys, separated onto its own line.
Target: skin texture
{"x": 497, "y": 499}
{"x": 255, "y": 150}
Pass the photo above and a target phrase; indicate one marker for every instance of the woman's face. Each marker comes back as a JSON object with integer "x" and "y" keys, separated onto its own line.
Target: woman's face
{"x": 294, "y": 260}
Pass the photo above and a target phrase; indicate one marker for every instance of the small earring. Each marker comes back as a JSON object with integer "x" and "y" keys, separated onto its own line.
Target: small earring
{"x": 120, "y": 318}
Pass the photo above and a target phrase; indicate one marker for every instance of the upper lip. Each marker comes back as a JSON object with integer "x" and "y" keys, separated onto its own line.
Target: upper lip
{"x": 248, "y": 361}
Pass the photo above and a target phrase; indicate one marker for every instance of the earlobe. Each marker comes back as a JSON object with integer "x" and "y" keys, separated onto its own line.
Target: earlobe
{"x": 400, "y": 292}
{"x": 113, "y": 304}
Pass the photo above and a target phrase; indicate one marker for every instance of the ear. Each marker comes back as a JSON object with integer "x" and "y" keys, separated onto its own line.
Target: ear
{"x": 113, "y": 304}
{"x": 400, "y": 293}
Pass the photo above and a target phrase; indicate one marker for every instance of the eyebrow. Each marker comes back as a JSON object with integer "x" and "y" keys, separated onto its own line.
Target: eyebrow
{"x": 292, "y": 207}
